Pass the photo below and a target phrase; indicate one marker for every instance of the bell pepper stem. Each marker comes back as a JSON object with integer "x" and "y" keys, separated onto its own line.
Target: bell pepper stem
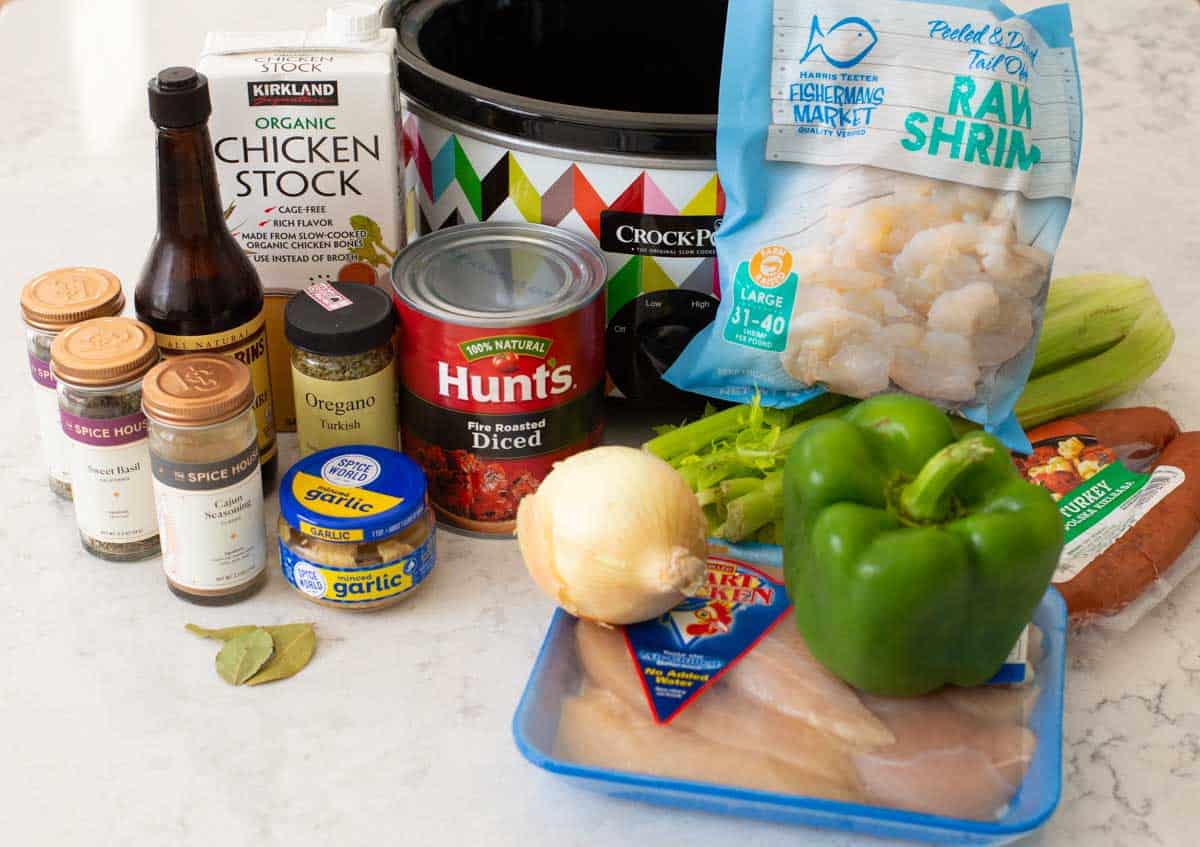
{"x": 927, "y": 499}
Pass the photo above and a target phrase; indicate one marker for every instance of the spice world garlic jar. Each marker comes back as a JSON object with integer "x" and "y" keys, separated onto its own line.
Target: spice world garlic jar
{"x": 99, "y": 366}
{"x": 49, "y": 304}
{"x": 354, "y": 528}
{"x": 208, "y": 486}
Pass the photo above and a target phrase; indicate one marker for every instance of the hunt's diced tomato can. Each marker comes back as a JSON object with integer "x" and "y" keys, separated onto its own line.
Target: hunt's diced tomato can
{"x": 501, "y": 363}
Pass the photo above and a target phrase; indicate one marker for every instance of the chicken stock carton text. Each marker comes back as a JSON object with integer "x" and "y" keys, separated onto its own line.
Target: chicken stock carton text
{"x": 305, "y": 138}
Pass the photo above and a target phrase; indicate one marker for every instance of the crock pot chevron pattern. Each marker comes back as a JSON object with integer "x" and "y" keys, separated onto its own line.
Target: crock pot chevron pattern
{"x": 452, "y": 180}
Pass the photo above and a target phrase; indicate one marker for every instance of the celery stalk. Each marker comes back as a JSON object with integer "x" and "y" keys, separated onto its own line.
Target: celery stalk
{"x": 1094, "y": 381}
{"x": 751, "y": 512}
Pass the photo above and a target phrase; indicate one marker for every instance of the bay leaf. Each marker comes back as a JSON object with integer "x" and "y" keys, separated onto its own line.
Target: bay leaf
{"x": 294, "y": 647}
{"x": 220, "y": 634}
{"x": 243, "y": 655}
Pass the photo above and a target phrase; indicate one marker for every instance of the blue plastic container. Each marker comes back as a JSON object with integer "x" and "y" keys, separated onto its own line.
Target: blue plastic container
{"x": 556, "y": 676}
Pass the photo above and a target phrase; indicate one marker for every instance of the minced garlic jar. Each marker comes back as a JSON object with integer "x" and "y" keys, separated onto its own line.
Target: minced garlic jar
{"x": 355, "y": 531}
{"x": 49, "y": 304}
{"x": 207, "y": 479}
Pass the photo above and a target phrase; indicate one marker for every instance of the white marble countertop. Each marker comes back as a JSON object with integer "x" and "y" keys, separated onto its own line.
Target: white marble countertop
{"x": 116, "y": 730}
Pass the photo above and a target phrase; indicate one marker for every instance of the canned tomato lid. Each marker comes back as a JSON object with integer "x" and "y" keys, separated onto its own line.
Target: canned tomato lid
{"x": 497, "y": 275}
{"x": 354, "y": 493}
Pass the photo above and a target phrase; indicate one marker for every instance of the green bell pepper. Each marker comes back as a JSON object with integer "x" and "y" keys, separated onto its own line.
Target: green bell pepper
{"x": 914, "y": 557}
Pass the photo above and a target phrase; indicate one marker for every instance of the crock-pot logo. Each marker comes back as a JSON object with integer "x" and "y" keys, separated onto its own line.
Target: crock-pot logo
{"x": 681, "y": 236}
{"x": 293, "y": 92}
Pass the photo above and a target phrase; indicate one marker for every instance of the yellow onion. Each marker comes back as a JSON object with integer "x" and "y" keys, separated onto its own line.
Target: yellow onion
{"x": 614, "y": 535}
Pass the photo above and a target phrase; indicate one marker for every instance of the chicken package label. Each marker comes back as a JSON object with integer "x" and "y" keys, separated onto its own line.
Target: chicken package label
{"x": 683, "y": 652}
{"x": 898, "y": 176}
{"x": 1099, "y": 498}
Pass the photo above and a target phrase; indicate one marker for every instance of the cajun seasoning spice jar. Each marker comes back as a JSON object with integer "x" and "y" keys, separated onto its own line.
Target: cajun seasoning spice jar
{"x": 51, "y": 303}
{"x": 99, "y": 366}
{"x": 207, "y": 480}
{"x": 343, "y": 368}
{"x": 354, "y": 528}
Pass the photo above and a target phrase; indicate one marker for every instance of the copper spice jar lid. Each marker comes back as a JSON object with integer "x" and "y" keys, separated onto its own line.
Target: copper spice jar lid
{"x": 103, "y": 351}
{"x": 59, "y": 298}
{"x": 197, "y": 390}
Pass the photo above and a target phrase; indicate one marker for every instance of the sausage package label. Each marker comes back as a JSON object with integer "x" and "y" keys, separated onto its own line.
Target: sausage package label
{"x": 1099, "y": 498}
{"x": 680, "y": 654}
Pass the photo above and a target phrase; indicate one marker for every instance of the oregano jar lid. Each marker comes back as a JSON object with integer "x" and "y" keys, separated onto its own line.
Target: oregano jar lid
{"x": 103, "y": 351}
{"x": 197, "y": 390}
{"x": 65, "y": 296}
{"x": 357, "y": 493}
{"x": 340, "y": 318}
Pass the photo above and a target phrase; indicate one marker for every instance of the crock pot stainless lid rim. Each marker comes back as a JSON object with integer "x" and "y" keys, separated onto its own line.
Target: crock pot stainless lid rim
{"x": 499, "y": 274}
{"x": 553, "y": 123}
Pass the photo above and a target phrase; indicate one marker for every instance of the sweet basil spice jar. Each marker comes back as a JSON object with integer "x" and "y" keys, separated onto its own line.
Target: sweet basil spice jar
{"x": 51, "y": 303}
{"x": 99, "y": 366}
{"x": 343, "y": 366}
{"x": 208, "y": 486}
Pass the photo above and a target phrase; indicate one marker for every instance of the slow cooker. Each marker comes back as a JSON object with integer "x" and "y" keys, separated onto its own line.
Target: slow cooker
{"x": 597, "y": 117}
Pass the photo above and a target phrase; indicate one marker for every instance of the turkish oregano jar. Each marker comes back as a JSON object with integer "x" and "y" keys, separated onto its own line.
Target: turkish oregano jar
{"x": 355, "y": 530}
{"x": 343, "y": 368}
{"x": 99, "y": 365}
{"x": 49, "y": 304}
{"x": 207, "y": 479}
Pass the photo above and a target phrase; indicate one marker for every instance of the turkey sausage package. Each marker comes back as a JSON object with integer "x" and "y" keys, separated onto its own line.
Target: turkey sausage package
{"x": 898, "y": 174}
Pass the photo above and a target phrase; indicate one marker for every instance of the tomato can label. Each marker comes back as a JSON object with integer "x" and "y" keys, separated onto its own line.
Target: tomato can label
{"x": 487, "y": 411}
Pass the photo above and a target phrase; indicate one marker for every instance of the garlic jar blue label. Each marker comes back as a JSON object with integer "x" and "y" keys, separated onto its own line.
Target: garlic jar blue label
{"x": 359, "y": 585}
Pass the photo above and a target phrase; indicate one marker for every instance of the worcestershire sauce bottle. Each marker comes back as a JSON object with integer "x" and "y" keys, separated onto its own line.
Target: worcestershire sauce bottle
{"x": 198, "y": 289}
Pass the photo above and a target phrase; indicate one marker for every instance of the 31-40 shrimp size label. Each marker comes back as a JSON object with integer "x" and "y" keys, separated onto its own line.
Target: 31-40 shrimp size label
{"x": 764, "y": 291}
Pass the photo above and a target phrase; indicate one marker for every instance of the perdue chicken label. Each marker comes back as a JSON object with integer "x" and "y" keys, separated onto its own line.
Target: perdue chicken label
{"x": 487, "y": 412}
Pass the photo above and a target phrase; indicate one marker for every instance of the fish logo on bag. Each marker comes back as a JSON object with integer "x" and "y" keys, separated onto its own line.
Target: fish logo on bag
{"x": 844, "y": 44}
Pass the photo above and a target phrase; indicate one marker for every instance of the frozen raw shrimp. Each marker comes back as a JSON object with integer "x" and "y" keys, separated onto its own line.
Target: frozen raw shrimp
{"x": 924, "y": 288}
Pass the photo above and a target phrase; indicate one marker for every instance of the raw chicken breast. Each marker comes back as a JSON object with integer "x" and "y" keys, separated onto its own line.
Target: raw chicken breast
{"x": 598, "y": 728}
{"x": 781, "y": 673}
{"x": 946, "y": 761}
{"x": 607, "y": 664}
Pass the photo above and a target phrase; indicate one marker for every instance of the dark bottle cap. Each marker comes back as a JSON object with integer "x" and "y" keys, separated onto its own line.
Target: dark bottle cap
{"x": 340, "y": 318}
{"x": 179, "y": 97}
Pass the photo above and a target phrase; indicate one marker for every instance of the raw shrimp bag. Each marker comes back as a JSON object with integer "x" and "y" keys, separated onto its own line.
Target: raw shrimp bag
{"x": 898, "y": 175}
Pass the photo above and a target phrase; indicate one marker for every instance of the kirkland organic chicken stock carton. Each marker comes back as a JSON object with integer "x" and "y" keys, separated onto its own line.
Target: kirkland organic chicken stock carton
{"x": 898, "y": 174}
{"x": 305, "y": 138}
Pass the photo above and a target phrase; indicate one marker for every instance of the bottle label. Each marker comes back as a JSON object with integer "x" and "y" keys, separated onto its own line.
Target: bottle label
{"x": 354, "y": 586}
{"x": 248, "y": 344}
{"x": 210, "y": 520}
{"x": 353, "y": 411}
{"x": 110, "y": 476}
{"x": 55, "y": 446}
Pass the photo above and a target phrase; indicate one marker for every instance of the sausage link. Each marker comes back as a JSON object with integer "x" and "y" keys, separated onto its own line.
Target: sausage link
{"x": 1137, "y": 435}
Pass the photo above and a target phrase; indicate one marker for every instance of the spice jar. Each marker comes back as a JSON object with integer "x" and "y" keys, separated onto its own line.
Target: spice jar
{"x": 355, "y": 531}
{"x": 207, "y": 480}
{"x": 49, "y": 304}
{"x": 343, "y": 368}
{"x": 99, "y": 366}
